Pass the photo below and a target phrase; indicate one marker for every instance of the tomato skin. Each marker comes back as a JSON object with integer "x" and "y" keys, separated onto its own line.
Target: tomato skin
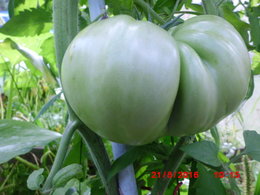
{"x": 121, "y": 76}
{"x": 132, "y": 82}
{"x": 215, "y": 73}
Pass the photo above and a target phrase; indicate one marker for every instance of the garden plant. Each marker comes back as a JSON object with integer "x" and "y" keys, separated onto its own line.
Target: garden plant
{"x": 124, "y": 97}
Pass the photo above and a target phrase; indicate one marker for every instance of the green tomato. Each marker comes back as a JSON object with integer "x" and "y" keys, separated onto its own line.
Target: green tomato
{"x": 215, "y": 73}
{"x": 121, "y": 77}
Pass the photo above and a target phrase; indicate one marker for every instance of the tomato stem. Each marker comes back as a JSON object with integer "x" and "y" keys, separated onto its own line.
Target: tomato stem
{"x": 65, "y": 16}
{"x": 146, "y": 7}
{"x": 100, "y": 158}
{"x": 62, "y": 151}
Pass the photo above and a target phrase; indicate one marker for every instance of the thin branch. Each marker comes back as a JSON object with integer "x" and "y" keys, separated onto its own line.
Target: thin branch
{"x": 149, "y": 10}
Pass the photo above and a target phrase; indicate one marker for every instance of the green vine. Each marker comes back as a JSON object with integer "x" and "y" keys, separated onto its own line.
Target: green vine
{"x": 60, "y": 156}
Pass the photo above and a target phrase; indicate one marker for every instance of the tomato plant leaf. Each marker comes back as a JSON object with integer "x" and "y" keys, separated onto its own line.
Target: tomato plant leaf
{"x": 204, "y": 151}
{"x": 36, "y": 60}
{"x": 48, "y": 51}
{"x": 7, "y": 52}
{"x": 211, "y": 7}
{"x": 227, "y": 11}
{"x": 35, "y": 179}
{"x": 18, "y": 137}
{"x": 76, "y": 152}
{"x": 66, "y": 174}
{"x": 22, "y": 5}
{"x": 252, "y": 142}
{"x": 253, "y": 16}
{"x": 214, "y": 133}
{"x": 162, "y": 6}
{"x": 120, "y": 6}
{"x": 256, "y": 63}
{"x": 28, "y": 23}
{"x": 207, "y": 183}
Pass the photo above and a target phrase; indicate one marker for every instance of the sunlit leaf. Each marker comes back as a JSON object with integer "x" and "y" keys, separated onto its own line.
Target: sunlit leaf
{"x": 28, "y": 23}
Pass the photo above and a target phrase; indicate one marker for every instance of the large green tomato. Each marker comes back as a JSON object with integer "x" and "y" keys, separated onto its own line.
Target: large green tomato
{"x": 215, "y": 73}
{"x": 121, "y": 77}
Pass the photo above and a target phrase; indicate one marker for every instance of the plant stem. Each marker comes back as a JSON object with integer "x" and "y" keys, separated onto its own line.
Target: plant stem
{"x": 126, "y": 177}
{"x": 65, "y": 16}
{"x": 29, "y": 164}
{"x": 62, "y": 151}
{"x": 147, "y": 8}
{"x": 175, "y": 159}
{"x": 100, "y": 158}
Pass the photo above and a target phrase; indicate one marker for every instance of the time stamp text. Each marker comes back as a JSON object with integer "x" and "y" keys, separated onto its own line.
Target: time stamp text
{"x": 180, "y": 174}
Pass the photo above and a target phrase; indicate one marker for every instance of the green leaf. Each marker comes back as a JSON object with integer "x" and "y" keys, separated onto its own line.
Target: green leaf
{"x": 66, "y": 174}
{"x": 161, "y": 5}
{"x": 215, "y": 135}
{"x": 211, "y": 7}
{"x": 226, "y": 11}
{"x": 254, "y": 20}
{"x": 120, "y": 6}
{"x": 207, "y": 183}
{"x": 76, "y": 152}
{"x": 21, "y": 5}
{"x": 257, "y": 186}
{"x": 223, "y": 157}
{"x": 35, "y": 180}
{"x": 28, "y": 23}
{"x": 252, "y": 142}
{"x": 35, "y": 59}
{"x": 17, "y": 137}
{"x": 256, "y": 63}
{"x": 48, "y": 51}
{"x": 6, "y": 51}
{"x": 204, "y": 151}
